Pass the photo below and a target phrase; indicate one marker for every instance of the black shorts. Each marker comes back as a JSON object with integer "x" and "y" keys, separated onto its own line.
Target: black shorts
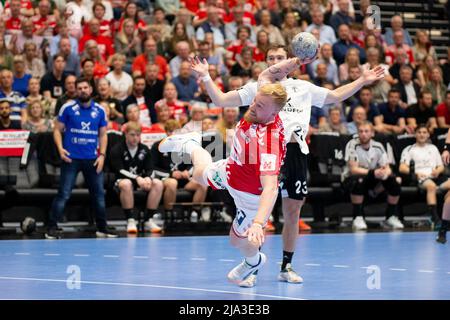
{"x": 438, "y": 181}
{"x": 293, "y": 173}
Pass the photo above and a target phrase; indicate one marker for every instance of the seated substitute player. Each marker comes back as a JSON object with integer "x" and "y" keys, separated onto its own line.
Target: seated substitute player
{"x": 250, "y": 174}
{"x": 368, "y": 168}
{"x": 428, "y": 169}
{"x": 131, "y": 162}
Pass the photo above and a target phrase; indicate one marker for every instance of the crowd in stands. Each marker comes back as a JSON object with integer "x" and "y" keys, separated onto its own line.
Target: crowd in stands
{"x": 135, "y": 54}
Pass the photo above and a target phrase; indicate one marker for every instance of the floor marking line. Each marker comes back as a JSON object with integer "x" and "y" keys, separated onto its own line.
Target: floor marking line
{"x": 312, "y": 264}
{"x": 426, "y": 271}
{"x": 198, "y": 259}
{"x": 81, "y": 255}
{"x": 52, "y": 254}
{"x": 154, "y": 286}
{"x": 169, "y": 258}
{"x": 227, "y": 260}
{"x": 22, "y": 253}
{"x": 340, "y": 266}
{"x": 397, "y": 269}
{"x": 140, "y": 257}
{"x": 110, "y": 256}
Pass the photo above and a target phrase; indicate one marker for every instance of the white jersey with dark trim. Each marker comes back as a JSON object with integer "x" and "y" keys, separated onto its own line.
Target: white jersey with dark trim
{"x": 372, "y": 158}
{"x": 426, "y": 158}
{"x": 297, "y": 111}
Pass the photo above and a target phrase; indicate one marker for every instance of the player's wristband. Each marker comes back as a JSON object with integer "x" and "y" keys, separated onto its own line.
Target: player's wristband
{"x": 447, "y": 147}
{"x": 206, "y": 78}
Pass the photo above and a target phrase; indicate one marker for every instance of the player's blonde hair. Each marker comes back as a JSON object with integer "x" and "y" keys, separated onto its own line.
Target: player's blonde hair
{"x": 133, "y": 126}
{"x": 276, "y": 91}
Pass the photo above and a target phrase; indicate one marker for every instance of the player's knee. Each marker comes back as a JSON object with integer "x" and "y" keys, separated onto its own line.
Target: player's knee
{"x": 125, "y": 185}
{"x": 393, "y": 187}
{"x": 431, "y": 187}
{"x": 157, "y": 184}
{"x": 171, "y": 184}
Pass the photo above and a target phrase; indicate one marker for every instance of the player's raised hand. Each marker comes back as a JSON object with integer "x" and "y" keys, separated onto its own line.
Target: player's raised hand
{"x": 371, "y": 75}
{"x": 199, "y": 67}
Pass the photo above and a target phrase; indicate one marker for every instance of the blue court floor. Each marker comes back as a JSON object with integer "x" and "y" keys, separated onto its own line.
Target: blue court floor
{"x": 402, "y": 265}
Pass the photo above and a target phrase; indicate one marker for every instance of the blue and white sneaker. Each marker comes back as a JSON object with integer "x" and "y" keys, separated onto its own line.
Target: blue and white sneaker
{"x": 177, "y": 142}
{"x": 249, "y": 282}
{"x": 243, "y": 270}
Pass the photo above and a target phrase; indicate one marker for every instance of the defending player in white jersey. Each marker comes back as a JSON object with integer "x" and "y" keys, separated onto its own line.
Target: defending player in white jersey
{"x": 428, "y": 168}
{"x": 251, "y": 172}
{"x": 295, "y": 116}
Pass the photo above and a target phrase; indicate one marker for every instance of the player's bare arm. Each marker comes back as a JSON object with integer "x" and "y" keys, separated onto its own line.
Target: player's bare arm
{"x": 267, "y": 200}
{"x": 367, "y": 77}
{"x": 229, "y": 99}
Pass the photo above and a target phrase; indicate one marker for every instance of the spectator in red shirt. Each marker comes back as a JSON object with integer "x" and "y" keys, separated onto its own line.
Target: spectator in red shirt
{"x": 398, "y": 44}
{"x": 26, "y": 8}
{"x": 131, "y": 12}
{"x": 262, "y": 44}
{"x": 44, "y": 22}
{"x": 243, "y": 40}
{"x": 443, "y": 112}
{"x": 13, "y": 21}
{"x": 177, "y": 108}
{"x": 105, "y": 45}
{"x": 150, "y": 57}
{"x": 106, "y": 26}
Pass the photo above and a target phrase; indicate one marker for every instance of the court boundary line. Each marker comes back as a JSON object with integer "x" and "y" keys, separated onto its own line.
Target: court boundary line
{"x": 125, "y": 284}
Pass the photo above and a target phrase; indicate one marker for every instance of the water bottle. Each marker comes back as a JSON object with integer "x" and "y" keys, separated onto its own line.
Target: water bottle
{"x": 412, "y": 170}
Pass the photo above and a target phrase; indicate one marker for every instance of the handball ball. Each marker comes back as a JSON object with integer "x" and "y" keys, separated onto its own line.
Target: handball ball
{"x": 28, "y": 225}
{"x": 305, "y": 46}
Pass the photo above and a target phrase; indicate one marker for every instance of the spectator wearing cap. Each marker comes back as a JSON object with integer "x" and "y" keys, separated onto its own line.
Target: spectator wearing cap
{"x": 21, "y": 78}
{"x": 16, "y": 99}
{"x": 6, "y": 123}
{"x": 186, "y": 83}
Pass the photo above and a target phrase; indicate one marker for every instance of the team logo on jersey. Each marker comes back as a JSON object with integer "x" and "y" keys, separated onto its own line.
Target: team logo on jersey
{"x": 133, "y": 170}
{"x": 85, "y": 125}
{"x": 141, "y": 156}
{"x": 94, "y": 114}
{"x": 268, "y": 162}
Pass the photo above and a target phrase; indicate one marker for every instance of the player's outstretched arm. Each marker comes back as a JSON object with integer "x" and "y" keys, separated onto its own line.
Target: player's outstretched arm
{"x": 278, "y": 71}
{"x": 344, "y": 92}
{"x": 220, "y": 99}
{"x": 267, "y": 200}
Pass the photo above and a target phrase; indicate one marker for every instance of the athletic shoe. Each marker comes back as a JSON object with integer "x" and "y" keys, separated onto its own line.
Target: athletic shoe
{"x": 394, "y": 223}
{"x": 131, "y": 226}
{"x": 359, "y": 223}
{"x": 289, "y": 275}
{"x": 158, "y": 219}
{"x": 303, "y": 226}
{"x": 270, "y": 227}
{"x": 105, "y": 233}
{"x": 151, "y": 226}
{"x": 177, "y": 142}
{"x": 243, "y": 270}
{"x": 206, "y": 214}
{"x": 194, "y": 217}
{"x": 441, "y": 238}
{"x": 225, "y": 216}
{"x": 249, "y": 282}
{"x": 52, "y": 234}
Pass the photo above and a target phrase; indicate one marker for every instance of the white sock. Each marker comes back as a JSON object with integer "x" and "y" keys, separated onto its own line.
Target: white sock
{"x": 190, "y": 146}
{"x": 253, "y": 260}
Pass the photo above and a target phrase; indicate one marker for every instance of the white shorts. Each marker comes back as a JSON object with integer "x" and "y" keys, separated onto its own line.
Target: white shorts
{"x": 246, "y": 203}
